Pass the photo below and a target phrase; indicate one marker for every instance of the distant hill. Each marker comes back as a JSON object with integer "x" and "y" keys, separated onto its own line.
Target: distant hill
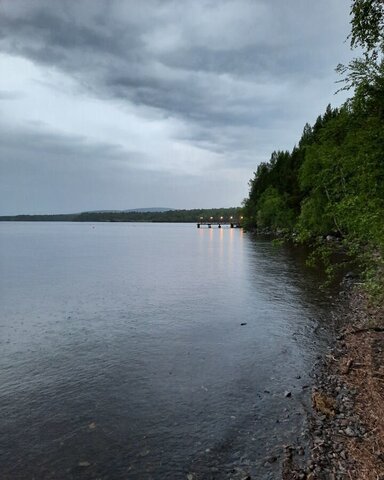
{"x": 150, "y": 209}
{"x": 153, "y": 209}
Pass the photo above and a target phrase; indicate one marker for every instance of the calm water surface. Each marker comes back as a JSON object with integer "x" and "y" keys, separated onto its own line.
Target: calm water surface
{"x": 123, "y": 355}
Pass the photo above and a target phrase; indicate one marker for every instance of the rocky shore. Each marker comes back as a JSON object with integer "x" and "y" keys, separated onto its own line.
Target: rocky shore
{"x": 345, "y": 437}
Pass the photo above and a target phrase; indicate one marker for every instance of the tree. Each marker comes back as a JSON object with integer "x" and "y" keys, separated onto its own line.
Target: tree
{"x": 368, "y": 26}
{"x": 365, "y": 73}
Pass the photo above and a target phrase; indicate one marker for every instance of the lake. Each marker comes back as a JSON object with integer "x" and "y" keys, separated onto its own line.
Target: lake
{"x": 152, "y": 351}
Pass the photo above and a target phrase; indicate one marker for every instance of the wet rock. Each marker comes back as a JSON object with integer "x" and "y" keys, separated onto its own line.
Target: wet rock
{"x": 243, "y": 323}
{"x": 287, "y": 394}
{"x": 350, "y": 432}
{"x": 300, "y": 451}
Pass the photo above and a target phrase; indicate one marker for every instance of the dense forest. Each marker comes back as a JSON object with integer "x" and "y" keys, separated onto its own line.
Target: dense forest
{"x": 331, "y": 185}
{"x": 183, "y": 216}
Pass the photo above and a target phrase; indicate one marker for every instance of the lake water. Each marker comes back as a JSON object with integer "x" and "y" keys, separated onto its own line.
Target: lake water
{"x": 123, "y": 355}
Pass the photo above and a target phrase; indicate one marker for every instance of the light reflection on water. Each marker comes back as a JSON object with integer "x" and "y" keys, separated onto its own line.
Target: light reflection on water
{"x": 123, "y": 354}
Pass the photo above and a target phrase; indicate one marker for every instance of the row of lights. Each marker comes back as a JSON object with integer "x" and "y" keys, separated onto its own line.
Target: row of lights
{"x": 221, "y": 218}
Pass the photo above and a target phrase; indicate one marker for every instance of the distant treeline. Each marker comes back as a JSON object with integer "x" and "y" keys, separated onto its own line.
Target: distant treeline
{"x": 182, "y": 216}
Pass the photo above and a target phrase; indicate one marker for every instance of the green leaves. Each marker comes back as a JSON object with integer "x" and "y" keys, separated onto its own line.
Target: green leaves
{"x": 367, "y": 25}
{"x": 333, "y": 182}
{"x": 273, "y": 212}
{"x": 367, "y": 33}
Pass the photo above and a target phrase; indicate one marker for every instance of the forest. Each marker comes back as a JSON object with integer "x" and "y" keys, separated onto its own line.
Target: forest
{"x": 329, "y": 190}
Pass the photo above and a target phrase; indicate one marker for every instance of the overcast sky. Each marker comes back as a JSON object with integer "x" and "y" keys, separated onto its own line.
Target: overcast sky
{"x": 117, "y": 104}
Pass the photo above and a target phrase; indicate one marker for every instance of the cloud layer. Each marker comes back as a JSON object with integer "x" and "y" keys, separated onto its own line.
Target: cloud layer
{"x": 120, "y": 104}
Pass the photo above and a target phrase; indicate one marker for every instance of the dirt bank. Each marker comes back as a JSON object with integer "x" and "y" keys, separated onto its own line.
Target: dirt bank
{"x": 345, "y": 438}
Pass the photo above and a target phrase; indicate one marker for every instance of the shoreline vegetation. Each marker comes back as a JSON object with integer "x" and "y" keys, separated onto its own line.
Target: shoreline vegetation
{"x": 328, "y": 193}
{"x": 331, "y": 185}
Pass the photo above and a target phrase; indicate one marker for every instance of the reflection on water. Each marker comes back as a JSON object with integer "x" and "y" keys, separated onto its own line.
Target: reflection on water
{"x": 123, "y": 353}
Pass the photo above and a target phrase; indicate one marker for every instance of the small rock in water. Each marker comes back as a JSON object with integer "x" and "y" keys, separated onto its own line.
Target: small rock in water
{"x": 272, "y": 459}
{"x": 92, "y": 426}
{"x": 287, "y": 394}
{"x": 242, "y": 324}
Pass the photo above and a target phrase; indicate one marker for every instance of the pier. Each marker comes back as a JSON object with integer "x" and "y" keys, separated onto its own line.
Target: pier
{"x": 219, "y": 223}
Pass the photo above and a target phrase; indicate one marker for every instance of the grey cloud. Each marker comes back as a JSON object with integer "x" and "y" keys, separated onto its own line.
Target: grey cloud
{"x": 115, "y": 53}
{"x": 242, "y": 75}
{"x": 51, "y": 173}
{"x": 42, "y": 31}
{"x": 10, "y": 95}
{"x": 42, "y": 151}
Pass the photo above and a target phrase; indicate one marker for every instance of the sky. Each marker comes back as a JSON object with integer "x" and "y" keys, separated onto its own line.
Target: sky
{"x": 119, "y": 104}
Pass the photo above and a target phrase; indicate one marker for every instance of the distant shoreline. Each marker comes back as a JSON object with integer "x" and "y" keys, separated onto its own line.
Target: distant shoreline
{"x": 169, "y": 216}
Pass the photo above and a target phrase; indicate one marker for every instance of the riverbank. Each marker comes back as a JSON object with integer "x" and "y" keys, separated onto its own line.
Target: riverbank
{"x": 346, "y": 425}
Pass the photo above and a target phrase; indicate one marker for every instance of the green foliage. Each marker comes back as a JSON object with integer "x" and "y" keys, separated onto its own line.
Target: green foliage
{"x": 332, "y": 183}
{"x": 367, "y": 24}
{"x": 273, "y": 211}
{"x": 365, "y": 73}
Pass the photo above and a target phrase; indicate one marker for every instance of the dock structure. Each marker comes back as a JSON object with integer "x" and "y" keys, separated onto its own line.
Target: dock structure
{"x": 220, "y": 222}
